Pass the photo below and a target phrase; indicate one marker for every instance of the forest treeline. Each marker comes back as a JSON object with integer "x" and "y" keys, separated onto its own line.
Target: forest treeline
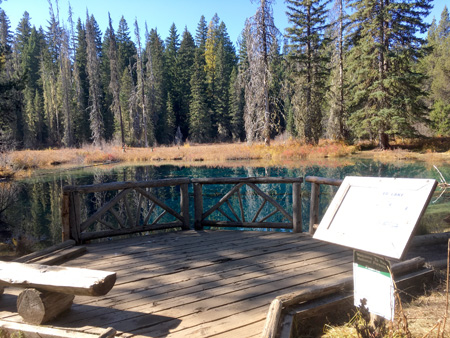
{"x": 347, "y": 70}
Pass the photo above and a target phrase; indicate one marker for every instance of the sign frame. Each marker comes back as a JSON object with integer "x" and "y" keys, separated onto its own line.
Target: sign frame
{"x": 376, "y": 215}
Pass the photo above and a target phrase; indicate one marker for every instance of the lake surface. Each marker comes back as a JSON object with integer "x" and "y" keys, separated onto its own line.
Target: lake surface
{"x": 36, "y": 216}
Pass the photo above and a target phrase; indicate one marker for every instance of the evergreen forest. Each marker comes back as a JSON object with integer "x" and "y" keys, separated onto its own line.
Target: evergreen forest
{"x": 343, "y": 70}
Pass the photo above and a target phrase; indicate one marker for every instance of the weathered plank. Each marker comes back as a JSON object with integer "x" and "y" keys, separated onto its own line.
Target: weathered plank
{"x": 27, "y": 258}
{"x": 57, "y": 279}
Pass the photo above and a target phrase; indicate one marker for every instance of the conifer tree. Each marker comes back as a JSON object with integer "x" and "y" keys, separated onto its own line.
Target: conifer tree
{"x": 186, "y": 55}
{"x": 437, "y": 67}
{"x": 172, "y": 81}
{"x": 114, "y": 84}
{"x": 200, "y": 127}
{"x": 81, "y": 117}
{"x": 306, "y": 47}
{"x": 156, "y": 84}
{"x": 95, "y": 91}
{"x": 387, "y": 90}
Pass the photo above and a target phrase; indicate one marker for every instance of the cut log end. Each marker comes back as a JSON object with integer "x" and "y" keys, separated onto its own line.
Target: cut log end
{"x": 38, "y": 307}
{"x": 105, "y": 286}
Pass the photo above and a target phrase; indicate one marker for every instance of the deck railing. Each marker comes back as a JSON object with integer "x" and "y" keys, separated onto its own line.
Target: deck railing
{"x": 316, "y": 182}
{"x": 121, "y": 208}
{"x": 145, "y": 212}
{"x": 236, "y": 216}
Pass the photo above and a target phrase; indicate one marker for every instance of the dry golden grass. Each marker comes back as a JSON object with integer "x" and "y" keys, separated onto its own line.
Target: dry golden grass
{"x": 225, "y": 154}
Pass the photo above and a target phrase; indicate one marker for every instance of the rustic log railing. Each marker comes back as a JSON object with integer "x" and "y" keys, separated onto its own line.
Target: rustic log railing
{"x": 235, "y": 215}
{"x": 315, "y": 198}
{"x": 119, "y": 215}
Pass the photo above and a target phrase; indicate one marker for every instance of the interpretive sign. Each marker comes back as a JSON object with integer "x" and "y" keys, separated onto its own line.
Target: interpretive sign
{"x": 376, "y": 215}
{"x": 372, "y": 282}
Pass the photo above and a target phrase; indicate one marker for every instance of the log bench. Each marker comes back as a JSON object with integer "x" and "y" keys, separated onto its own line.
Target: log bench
{"x": 50, "y": 290}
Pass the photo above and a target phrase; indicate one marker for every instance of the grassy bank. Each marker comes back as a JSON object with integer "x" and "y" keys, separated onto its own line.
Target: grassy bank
{"x": 279, "y": 153}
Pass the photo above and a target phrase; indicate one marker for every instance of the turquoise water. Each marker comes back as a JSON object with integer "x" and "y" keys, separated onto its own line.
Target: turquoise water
{"x": 36, "y": 214}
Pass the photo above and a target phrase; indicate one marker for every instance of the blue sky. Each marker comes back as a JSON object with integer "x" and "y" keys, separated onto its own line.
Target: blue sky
{"x": 157, "y": 13}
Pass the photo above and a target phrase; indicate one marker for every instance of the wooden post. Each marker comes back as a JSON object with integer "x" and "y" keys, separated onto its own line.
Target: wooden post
{"x": 74, "y": 216}
{"x": 297, "y": 207}
{"x": 314, "y": 207}
{"x": 37, "y": 307}
{"x": 65, "y": 216}
{"x": 198, "y": 205}
{"x": 184, "y": 205}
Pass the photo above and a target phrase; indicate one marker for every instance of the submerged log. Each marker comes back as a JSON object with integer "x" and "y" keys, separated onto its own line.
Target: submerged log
{"x": 38, "y": 307}
{"x": 75, "y": 281}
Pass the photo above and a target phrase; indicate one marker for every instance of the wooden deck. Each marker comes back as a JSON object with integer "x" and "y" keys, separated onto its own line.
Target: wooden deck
{"x": 196, "y": 283}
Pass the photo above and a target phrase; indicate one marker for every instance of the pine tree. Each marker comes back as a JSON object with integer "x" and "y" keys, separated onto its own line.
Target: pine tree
{"x": 147, "y": 125}
{"x": 81, "y": 84}
{"x": 126, "y": 49}
{"x": 336, "y": 96}
{"x": 200, "y": 127}
{"x": 437, "y": 67}
{"x": 306, "y": 36}
{"x": 114, "y": 85}
{"x": 236, "y": 104}
{"x": 186, "y": 56}
{"x": 172, "y": 81}
{"x": 156, "y": 84}
{"x": 387, "y": 89}
{"x": 95, "y": 91}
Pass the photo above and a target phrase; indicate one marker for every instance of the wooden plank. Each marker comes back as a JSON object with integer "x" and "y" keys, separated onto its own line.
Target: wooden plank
{"x": 255, "y": 180}
{"x": 323, "y": 180}
{"x": 32, "y": 331}
{"x": 57, "y": 279}
{"x": 85, "y": 189}
{"x": 271, "y": 225}
{"x": 60, "y": 256}
{"x": 233, "y": 295}
{"x": 32, "y": 256}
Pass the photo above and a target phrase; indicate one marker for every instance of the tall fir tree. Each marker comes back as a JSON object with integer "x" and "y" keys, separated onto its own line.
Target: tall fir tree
{"x": 95, "y": 90}
{"x": 387, "y": 90}
{"x": 306, "y": 53}
{"x": 185, "y": 60}
{"x": 437, "y": 67}
{"x": 200, "y": 126}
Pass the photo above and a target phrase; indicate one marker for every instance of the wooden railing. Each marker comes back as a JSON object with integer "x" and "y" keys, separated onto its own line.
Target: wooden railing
{"x": 235, "y": 215}
{"x": 121, "y": 208}
{"x": 315, "y": 198}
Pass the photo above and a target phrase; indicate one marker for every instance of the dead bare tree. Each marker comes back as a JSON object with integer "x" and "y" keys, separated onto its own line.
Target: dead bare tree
{"x": 260, "y": 34}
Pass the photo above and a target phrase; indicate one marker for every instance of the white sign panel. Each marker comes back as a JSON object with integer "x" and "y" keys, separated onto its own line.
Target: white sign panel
{"x": 376, "y": 215}
{"x": 373, "y": 283}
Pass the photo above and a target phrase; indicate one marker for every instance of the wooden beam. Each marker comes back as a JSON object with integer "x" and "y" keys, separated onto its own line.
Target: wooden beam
{"x": 198, "y": 206}
{"x": 74, "y": 281}
{"x": 314, "y": 207}
{"x": 66, "y": 244}
{"x": 297, "y": 207}
{"x": 33, "y": 331}
{"x": 85, "y": 189}
{"x": 323, "y": 180}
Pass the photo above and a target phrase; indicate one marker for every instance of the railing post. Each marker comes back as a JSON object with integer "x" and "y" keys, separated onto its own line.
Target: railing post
{"x": 198, "y": 205}
{"x": 74, "y": 216}
{"x": 65, "y": 216}
{"x": 184, "y": 205}
{"x": 314, "y": 207}
{"x": 297, "y": 207}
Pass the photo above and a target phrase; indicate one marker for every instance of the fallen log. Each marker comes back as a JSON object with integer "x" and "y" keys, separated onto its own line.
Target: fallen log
{"x": 74, "y": 281}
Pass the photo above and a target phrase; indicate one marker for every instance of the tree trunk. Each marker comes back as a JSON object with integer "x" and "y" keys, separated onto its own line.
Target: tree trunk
{"x": 384, "y": 141}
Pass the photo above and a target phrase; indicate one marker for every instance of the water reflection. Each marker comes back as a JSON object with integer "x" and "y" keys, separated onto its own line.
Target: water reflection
{"x": 37, "y": 212}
